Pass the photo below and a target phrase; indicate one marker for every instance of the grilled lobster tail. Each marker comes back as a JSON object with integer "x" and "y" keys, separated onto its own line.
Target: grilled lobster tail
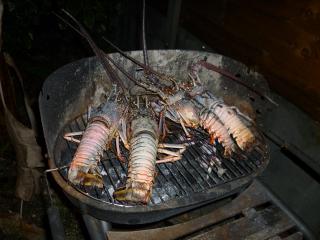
{"x": 89, "y": 152}
{"x": 210, "y": 122}
{"x": 142, "y": 161}
{"x": 243, "y": 135}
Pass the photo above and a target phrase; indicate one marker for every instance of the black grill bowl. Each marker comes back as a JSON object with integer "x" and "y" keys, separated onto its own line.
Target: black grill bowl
{"x": 180, "y": 186}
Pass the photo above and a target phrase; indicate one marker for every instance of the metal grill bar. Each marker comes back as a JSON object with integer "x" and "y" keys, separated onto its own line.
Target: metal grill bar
{"x": 196, "y": 172}
{"x": 192, "y": 169}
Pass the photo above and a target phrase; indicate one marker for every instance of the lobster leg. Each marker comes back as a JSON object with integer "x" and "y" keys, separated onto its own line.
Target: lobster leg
{"x": 169, "y": 159}
{"x": 172, "y": 156}
{"x": 162, "y": 124}
{"x": 123, "y": 133}
{"x": 165, "y": 151}
{"x": 172, "y": 145}
{"x": 184, "y": 128}
{"x": 71, "y": 137}
{"x": 119, "y": 155}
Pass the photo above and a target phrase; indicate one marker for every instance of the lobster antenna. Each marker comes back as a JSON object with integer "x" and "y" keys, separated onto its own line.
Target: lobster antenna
{"x": 114, "y": 78}
{"x": 144, "y": 42}
{"x": 235, "y": 79}
{"x": 140, "y": 64}
{"x": 143, "y": 85}
{"x": 69, "y": 24}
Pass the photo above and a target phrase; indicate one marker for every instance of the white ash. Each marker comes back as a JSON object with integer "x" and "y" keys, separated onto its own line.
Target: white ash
{"x": 206, "y": 149}
{"x": 103, "y": 172}
{"x": 111, "y": 190}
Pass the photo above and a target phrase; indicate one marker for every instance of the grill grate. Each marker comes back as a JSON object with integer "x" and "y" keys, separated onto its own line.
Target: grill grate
{"x": 201, "y": 168}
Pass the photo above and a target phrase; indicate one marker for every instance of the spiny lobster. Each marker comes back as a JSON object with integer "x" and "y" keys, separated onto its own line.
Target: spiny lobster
{"x": 123, "y": 117}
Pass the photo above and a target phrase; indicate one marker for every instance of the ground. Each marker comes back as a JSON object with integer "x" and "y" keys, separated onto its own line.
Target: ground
{"x": 34, "y": 221}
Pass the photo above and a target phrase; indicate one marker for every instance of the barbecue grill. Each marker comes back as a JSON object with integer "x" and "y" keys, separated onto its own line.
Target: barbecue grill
{"x": 200, "y": 177}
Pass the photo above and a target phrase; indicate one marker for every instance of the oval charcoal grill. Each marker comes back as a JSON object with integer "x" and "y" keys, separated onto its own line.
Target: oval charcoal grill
{"x": 200, "y": 177}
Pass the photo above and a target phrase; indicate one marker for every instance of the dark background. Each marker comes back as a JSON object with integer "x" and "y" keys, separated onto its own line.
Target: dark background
{"x": 281, "y": 39}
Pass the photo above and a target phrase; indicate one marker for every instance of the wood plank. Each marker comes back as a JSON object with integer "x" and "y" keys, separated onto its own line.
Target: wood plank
{"x": 295, "y": 236}
{"x": 263, "y": 225}
{"x": 275, "y": 238}
{"x": 253, "y": 196}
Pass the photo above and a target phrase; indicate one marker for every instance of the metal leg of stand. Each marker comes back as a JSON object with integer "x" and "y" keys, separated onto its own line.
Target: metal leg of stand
{"x": 97, "y": 229}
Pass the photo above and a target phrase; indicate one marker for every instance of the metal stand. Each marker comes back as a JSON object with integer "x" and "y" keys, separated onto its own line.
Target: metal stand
{"x": 97, "y": 229}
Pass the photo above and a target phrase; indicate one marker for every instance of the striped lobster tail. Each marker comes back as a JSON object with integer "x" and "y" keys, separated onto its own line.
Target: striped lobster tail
{"x": 142, "y": 162}
{"x": 89, "y": 152}
{"x": 217, "y": 130}
{"x": 239, "y": 130}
